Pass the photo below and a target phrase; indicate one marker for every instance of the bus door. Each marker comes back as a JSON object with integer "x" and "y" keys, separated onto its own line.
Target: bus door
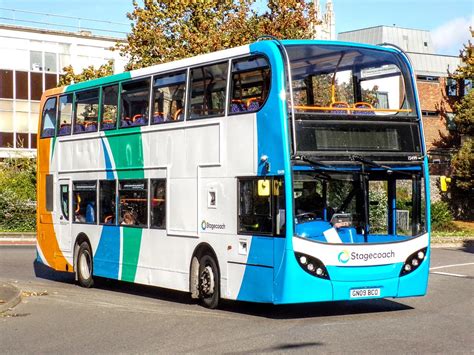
{"x": 64, "y": 226}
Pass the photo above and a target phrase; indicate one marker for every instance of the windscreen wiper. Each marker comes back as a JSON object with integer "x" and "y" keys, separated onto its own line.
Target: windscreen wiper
{"x": 370, "y": 162}
{"x": 313, "y": 163}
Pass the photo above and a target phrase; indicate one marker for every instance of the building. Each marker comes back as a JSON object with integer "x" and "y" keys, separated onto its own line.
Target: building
{"x": 326, "y": 27}
{"x": 31, "y": 61}
{"x": 437, "y": 92}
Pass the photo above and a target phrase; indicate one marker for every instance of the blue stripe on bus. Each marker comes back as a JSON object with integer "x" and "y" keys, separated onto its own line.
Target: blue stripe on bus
{"x": 108, "y": 162}
{"x": 107, "y": 255}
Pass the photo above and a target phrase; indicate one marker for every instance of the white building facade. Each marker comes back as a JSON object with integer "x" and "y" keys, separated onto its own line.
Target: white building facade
{"x": 31, "y": 61}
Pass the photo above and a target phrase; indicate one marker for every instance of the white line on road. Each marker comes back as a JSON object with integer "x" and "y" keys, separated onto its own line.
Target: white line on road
{"x": 452, "y": 265}
{"x": 448, "y": 274}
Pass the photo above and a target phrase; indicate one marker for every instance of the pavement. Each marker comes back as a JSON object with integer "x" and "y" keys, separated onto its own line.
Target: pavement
{"x": 10, "y": 295}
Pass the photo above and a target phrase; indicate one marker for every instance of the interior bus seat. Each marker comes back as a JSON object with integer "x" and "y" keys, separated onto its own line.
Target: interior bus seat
{"x": 79, "y": 127}
{"x": 65, "y": 129}
{"x": 48, "y": 132}
{"x": 125, "y": 122}
{"x": 340, "y": 104}
{"x": 109, "y": 219}
{"x": 91, "y": 126}
{"x": 158, "y": 117}
{"x": 178, "y": 115}
{"x": 254, "y": 103}
{"x": 237, "y": 106}
{"x": 108, "y": 124}
{"x": 138, "y": 120}
{"x": 364, "y": 105}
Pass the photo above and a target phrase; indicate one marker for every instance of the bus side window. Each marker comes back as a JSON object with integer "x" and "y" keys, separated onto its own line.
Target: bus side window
{"x": 208, "y": 85}
{"x": 49, "y": 118}
{"x": 65, "y": 201}
{"x": 169, "y": 97}
{"x": 49, "y": 192}
{"x": 133, "y": 202}
{"x": 250, "y": 84}
{"x": 134, "y": 102}
{"x": 86, "y": 111}
{"x": 65, "y": 115}
{"x": 109, "y": 108}
{"x": 107, "y": 202}
{"x": 84, "y": 201}
{"x": 158, "y": 203}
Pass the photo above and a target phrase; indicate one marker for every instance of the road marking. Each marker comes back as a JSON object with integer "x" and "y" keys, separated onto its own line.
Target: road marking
{"x": 448, "y": 274}
{"x": 452, "y": 265}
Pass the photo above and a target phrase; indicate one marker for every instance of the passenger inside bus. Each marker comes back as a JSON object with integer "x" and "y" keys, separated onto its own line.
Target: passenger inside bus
{"x": 310, "y": 202}
{"x": 128, "y": 218}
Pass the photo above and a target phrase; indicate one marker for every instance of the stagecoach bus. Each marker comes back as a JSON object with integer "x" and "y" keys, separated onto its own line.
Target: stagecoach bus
{"x": 277, "y": 172}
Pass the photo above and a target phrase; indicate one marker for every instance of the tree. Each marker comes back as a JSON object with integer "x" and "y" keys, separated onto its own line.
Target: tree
{"x": 163, "y": 31}
{"x": 88, "y": 73}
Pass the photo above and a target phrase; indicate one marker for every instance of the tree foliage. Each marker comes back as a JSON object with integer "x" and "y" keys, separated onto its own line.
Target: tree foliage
{"x": 162, "y": 31}
{"x": 18, "y": 194}
{"x": 89, "y": 73}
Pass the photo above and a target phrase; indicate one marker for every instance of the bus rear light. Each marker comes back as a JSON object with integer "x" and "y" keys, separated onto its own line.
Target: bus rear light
{"x": 312, "y": 266}
{"x": 413, "y": 262}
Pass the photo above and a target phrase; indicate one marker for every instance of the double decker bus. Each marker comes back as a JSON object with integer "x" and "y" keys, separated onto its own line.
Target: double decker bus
{"x": 277, "y": 172}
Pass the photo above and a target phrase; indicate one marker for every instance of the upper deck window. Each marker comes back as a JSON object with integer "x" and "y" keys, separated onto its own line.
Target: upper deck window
{"x": 109, "y": 107}
{"x": 342, "y": 80}
{"x": 49, "y": 118}
{"x": 169, "y": 97}
{"x": 134, "y": 103}
{"x": 65, "y": 115}
{"x": 250, "y": 84}
{"x": 208, "y": 86}
{"x": 87, "y": 111}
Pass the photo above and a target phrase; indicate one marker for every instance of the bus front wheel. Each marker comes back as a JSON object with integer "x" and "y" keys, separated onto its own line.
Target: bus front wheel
{"x": 208, "y": 282}
{"x": 84, "y": 265}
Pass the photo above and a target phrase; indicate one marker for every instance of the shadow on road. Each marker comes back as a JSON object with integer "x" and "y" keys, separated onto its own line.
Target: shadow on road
{"x": 294, "y": 311}
{"x": 468, "y": 246}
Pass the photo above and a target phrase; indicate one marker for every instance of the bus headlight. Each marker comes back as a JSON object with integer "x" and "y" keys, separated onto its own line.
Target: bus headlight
{"x": 413, "y": 262}
{"x": 312, "y": 266}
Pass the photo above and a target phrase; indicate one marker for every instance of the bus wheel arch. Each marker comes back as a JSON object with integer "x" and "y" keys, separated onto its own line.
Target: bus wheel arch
{"x": 83, "y": 261}
{"x": 205, "y": 276}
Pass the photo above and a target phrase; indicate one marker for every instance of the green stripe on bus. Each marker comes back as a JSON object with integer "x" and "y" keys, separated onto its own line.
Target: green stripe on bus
{"x": 132, "y": 238}
{"x": 97, "y": 82}
{"x": 128, "y": 160}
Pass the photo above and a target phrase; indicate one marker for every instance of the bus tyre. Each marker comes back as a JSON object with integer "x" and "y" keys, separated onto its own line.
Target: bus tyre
{"x": 208, "y": 282}
{"x": 84, "y": 265}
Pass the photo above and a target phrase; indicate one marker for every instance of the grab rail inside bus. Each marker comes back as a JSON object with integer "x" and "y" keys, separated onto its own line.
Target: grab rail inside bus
{"x": 290, "y": 86}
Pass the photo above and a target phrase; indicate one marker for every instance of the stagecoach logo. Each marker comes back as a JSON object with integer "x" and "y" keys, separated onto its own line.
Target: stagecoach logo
{"x": 343, "y": 256}
{"x": 206, "y": 225}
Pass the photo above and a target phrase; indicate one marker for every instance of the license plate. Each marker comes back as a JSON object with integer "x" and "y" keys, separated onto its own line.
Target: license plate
{"x": 365, "y": 292}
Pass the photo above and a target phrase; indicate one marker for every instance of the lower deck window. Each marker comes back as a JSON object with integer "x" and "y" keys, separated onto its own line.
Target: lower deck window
{"x": 85, "y": 195}
{"x": 133, "y": 202}
{"x": 107, "y": 202}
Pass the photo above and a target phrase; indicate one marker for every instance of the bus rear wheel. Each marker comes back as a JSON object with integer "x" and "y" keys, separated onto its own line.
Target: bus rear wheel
{"x": 84, "y": 265}
{"x": 209, "y": 285}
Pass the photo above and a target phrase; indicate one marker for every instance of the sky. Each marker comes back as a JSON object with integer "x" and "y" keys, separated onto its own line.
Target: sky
{"x": 448, "y": 20}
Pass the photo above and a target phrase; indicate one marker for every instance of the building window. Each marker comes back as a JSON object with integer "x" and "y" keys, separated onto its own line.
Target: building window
{"x": 451, "y": 87}
{"x": 86, "y": 111}
{"x": 21, "y": 82}
{"x": 107, "y": 202}
{"x": 109, "y": 107}
{"x": 208, "y": 86}
{"x": 51, "y": 81}
{"x": 84, "y": 206}
{"x": 134, "y": 103}
{"x": 158, "y": 203}
{"x": 427, "y": 78}
{"x": 49, "y": 118}
{"x": 36, "y": 61}
{"x": 133, "y": 203}
{"x": 250, "y": 84}
{"x": 168, "y": 97}
{"x": 467, "y": 86}
{"x": 36, "y": 80}
{"x": 65, "y": 115}
{"x": 6, "y": 84}
{"x": 50, "y": 62}
{"x": 429, "y": 113}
